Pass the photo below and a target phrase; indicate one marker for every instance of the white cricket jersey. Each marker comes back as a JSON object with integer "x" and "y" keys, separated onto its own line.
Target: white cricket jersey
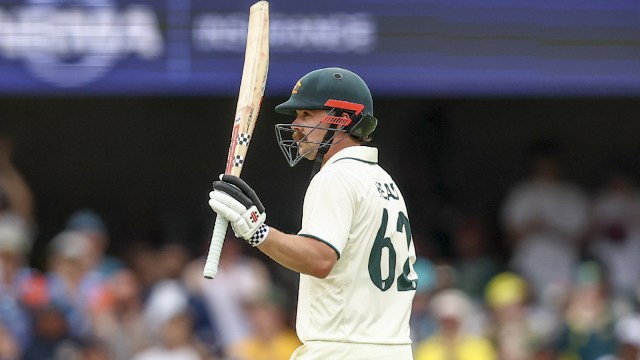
{"x": 354, "y": 206}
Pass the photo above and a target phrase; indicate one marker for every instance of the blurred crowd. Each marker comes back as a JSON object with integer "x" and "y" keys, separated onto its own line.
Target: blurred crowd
{"x": 564, "y": 285}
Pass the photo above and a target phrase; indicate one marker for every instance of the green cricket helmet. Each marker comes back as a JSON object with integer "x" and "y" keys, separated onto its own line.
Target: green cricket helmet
{"x": 334, "y": 89}
{"x": 342, "y": 93}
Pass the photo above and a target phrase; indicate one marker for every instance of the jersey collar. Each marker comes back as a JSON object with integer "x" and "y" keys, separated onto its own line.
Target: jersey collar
{"x": 361, "y": 153}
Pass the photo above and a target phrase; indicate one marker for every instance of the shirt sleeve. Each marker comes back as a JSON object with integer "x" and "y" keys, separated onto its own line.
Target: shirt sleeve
{"x": 328, "y": 209}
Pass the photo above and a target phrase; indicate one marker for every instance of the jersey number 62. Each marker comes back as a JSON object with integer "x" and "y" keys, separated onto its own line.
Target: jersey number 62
{"x": 375, "y": 257}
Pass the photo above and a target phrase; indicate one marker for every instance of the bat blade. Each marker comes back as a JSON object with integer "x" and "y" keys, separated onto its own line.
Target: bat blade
{"x": 254, "y": 79}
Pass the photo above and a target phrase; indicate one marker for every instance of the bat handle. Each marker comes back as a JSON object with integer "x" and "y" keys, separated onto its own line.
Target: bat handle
{"x": 217, "y": 239}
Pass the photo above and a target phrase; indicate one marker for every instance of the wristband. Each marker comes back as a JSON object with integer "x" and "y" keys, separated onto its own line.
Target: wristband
{"x": 259, "y": 236}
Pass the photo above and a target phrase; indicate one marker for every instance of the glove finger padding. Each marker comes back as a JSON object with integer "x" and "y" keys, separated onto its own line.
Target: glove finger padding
{"x": 222, "y": 208}
{"x": 226, "y": 201}
{"x": 245, "y": 223}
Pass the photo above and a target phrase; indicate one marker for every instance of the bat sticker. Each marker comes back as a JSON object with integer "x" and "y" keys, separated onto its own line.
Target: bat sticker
{"x": 244, "y": 139}
{"x": 238, "y": 160}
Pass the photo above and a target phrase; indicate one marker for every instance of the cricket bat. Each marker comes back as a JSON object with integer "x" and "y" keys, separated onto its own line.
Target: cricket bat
{"x": 254, "y": 79}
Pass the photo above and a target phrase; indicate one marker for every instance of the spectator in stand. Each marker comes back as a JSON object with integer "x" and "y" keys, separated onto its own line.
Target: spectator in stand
{"x": 94, "y": 349}
{"x": 121, "y": 326}
{"x": 615, "y": 239}
{"x": 143, "y": 258}
{"x": 452, "y": 307}
{"x": 422, "y": 322}
{"x": 628, "y": 336}
{"x": 71, "y": 285}
{"x": 9, "y": 347}
{"x": 171, "y": 259}
{"x": 519, "y": 329}
{"x": 90, "y": 224}
{"x": 170, "y": 295}
{"x": 271, "y": 338}
{"x": 52, "y": 338}
{"x": 588, "y": 330}
{"x": 175, "y": 259}
{"x": 239, "y": 278}
{"x": 545, "y": 217}
{"x": 170, "y": 320}
{"x": 14, "y": 280}
{"x": 18, "y": 283}
{"x": 473, "y": 264}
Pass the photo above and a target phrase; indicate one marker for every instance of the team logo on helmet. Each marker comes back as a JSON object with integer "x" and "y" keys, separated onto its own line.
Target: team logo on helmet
{"x": 296, "y": 87}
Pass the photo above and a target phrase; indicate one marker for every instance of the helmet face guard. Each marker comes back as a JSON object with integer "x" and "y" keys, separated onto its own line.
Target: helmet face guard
{"x": 291, "y": 147}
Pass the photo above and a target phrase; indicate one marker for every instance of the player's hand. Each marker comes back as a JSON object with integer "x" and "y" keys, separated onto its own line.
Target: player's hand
{"x": 234, "y": 200}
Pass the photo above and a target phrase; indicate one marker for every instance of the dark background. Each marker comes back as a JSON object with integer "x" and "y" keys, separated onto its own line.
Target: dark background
{"x": 146, "y": 163}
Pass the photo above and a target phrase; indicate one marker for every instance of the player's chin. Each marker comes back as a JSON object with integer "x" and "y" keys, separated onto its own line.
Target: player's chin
{"x": 306, "y": 152}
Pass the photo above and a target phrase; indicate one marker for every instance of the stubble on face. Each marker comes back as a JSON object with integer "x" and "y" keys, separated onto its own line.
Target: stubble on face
{"x": 304, "y": 146}
{"x": 308, "y": 138}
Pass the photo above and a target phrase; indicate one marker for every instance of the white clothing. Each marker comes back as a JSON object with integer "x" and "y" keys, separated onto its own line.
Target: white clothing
{"x": 628, "y": 330}
{"x": 320, "y": 350}
{"x": 355, "y": 207}
{"x": 620, "y": 256}
{"x": 167, "y": 299}
{"x": 547, "y": 256}
{"x": 226, "y": 293}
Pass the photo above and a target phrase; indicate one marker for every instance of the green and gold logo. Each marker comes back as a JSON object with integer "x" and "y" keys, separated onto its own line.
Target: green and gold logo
{"x": 295, "y": 88}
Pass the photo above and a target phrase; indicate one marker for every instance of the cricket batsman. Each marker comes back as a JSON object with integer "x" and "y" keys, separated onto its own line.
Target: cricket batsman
{"x": 354, "y": 252}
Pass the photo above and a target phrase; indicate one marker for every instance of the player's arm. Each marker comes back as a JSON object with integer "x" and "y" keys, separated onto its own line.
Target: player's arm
{"x": 234, "y": 200}
{"x": 299, "y": 253}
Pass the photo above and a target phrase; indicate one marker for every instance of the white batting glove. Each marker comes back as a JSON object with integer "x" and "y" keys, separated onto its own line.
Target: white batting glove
{"x": 234, "y": 200}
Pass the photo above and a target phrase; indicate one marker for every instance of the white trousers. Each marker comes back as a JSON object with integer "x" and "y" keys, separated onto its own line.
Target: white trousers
{"x": 323, "y": 350}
